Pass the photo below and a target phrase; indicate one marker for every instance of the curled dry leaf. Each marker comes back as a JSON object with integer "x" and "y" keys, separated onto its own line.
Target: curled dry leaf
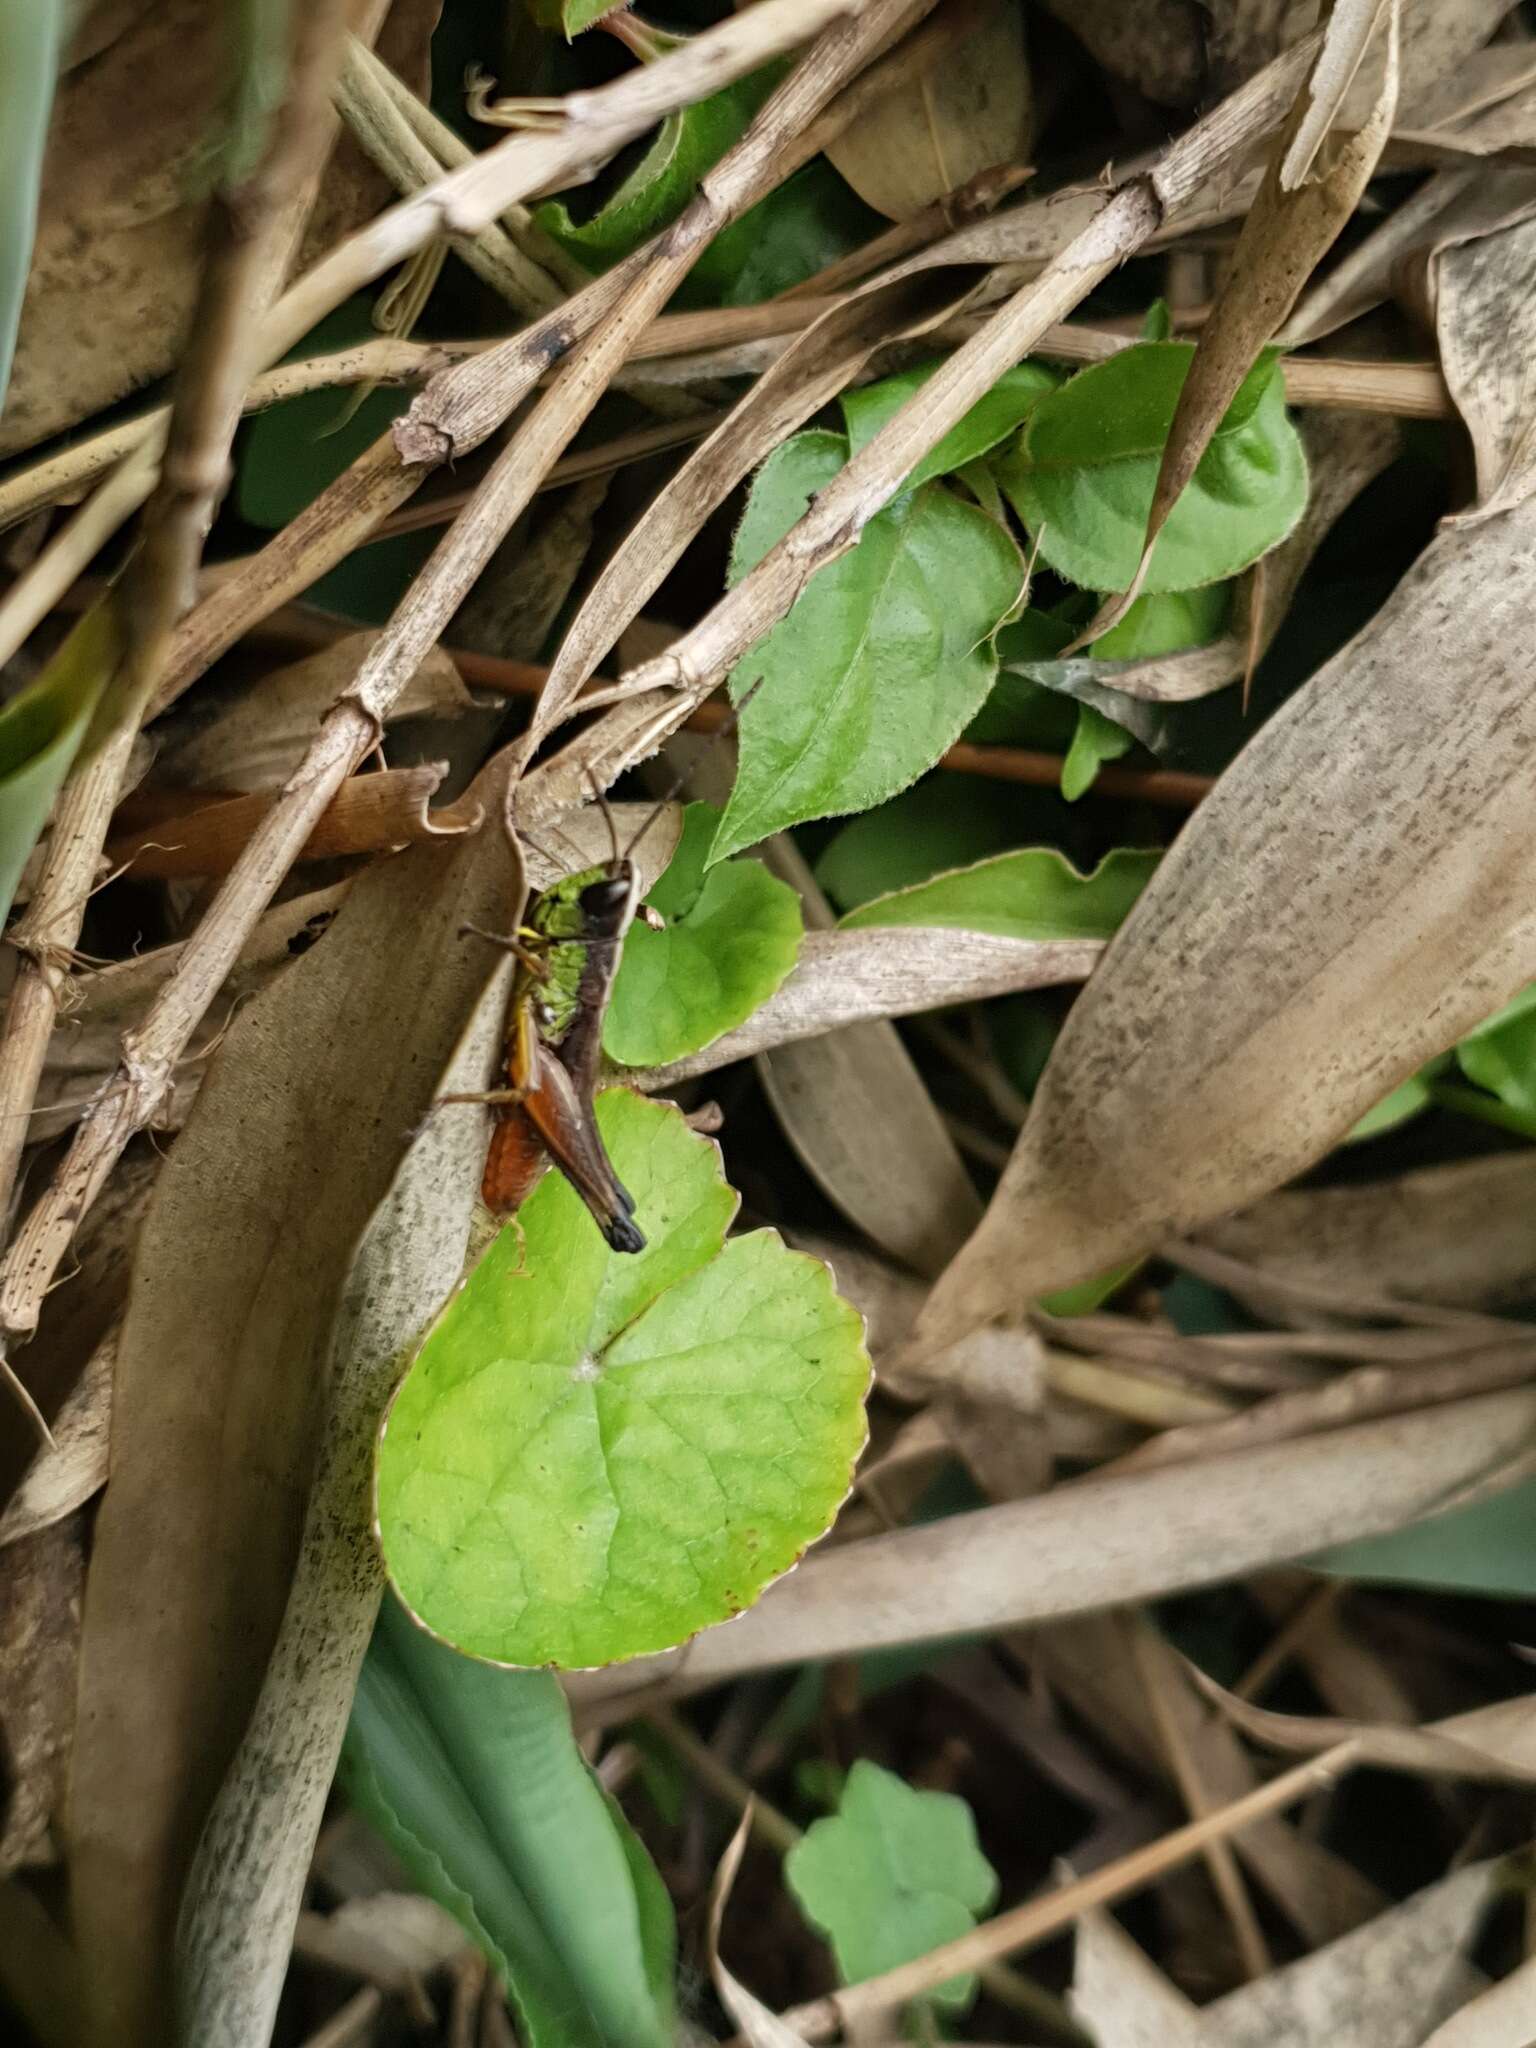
{"x": 368, "y": 814}
{"x": 255, "y": 739}
{"x": 845, "y": 978}
{"x": 1454, "y": 1234}
{"x": 292, "y": 1145}
{"x": 760, "y": 2028}
{"x": 974, "y": 109}
{"x": 1381, "y": 1744}
{"x": 1368, "y": 858}
{"x": 65, "y": 1473}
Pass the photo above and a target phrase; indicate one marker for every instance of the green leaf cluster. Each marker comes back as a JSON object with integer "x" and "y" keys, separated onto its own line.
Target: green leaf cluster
{"x": 474, "y": 1779}
{"x": 596, "y": 1455}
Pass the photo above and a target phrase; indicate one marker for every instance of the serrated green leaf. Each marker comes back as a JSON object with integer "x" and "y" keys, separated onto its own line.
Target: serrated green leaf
{"x": 1033, "y": 893}
{"x": 947, "y": 821}
{"x": 31, "y": 37}
{"x": 654, "y": 192}
{"x": 894, "y": 1873}
{"x": 474, "y": 1778}
{"x": 1001, "y": 412}
{"x": 1489, "y": 1547}
{"x": 731, "y": 937}
{"x": 811, "y": 220}
{"x": 1082, "y": 475}
{"x": 40, "y": 734}
{"x": 1097, "y": 739}
{"x": 1501, "y": 1054}
{"x": 884, "y": 658}
{"x": 595, "y": 1456}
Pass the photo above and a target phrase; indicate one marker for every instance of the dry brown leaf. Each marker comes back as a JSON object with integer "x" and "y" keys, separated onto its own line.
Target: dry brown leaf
{"x": 1368, "y": 860}
{"x": 291, "y": 1147}
{"x": 368, "y": 814}
{"x": 1504, "y": 2016}
{"x": 1382, "y": 1744}
{"x": 65, "y": 1473}
{"x": 389, "y": 1938}
{"x": 1453, "y": 1234}
{"x": 1311, "y": 186}
{"x": 39, "y": 1642}
{"x": 1379, "y": 1987}
{"x": 1121, "y": 1996}
{"x": 1437, "y": 37}
{"x": 1158, "y": 46}
{"x": 842, "y": 978}
{"x": 253, "y": 740}
{"x": 1097, "y": 1542}
{"x": 974, "y": 109}
{"x": 1485, "y": 322}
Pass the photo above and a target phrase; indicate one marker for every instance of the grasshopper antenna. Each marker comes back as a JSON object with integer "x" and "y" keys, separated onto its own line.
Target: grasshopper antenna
{"x": 723, "y": 733}
{"x": 600, "y": 798}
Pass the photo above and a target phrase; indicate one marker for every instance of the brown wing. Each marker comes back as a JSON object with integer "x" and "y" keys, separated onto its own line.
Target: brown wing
{"x": 563, "y": 1120}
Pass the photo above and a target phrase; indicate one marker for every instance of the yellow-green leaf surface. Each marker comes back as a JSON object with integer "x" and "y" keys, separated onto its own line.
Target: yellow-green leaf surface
{"x": 596, "y": 1455}
{"x": 40, "y": 734}
{"x": 730, "y": 938}
{"x": 1033, "y": 893}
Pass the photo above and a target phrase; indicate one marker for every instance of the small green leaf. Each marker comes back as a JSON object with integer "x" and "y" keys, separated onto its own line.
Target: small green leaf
{"x": 894, "y": 1873}
{"x": 570, "y": 17}
{"x": 1034, "y": 893}
{"x": 1489, "y": 1547}
{"x": 1082, "y": 474}
{"x": 884, "y": 658}
{"x": 946, "y": 821}
{"x": 686, "y": 145}
{"x": 1020, "y": 711}
{"x": 1157, "y": 324}
{"x": 595, "y": 1456}
{"x": 41, "y": 729}
{"x": 1166, "y": 624}
{"x": 31, "y": 37}
{"x": 731, "y": 937}
{"x": 1408, "y": 1099}
{"x": 474, "y": 1778}
{"x": 811, "y": 220}
{"x": 1501, "y": 1054}
{"x": 1097, "y": 739}
{"x": 990, "y": 420}
{"x": 1088, "y": 1295}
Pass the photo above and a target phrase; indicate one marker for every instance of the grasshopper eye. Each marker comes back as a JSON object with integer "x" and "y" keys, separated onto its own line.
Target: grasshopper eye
{"x": 605, "y": 898}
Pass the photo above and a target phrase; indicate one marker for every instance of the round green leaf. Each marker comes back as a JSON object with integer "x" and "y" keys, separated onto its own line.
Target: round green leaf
{"x": 1033, "y": 893}
{"x": 594, "y": 1456}
{"x": 884, "y": 658}
{"x": 731, "y": 937}
{"x": 990, "y": 420}
{"x": 1082, "y": 474}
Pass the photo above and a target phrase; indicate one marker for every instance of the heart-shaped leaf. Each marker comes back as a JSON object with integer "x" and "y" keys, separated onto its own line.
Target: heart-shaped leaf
{"x": 884, "y": 658}
{"x": 991, "y": 419}
{"x": 730, "y": 938}
{"x": 891, "y": 1875}
{"x": 1033, "y": 893}
{"x": 595, "y": 1456}
{"x": 1082, "y": 474}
